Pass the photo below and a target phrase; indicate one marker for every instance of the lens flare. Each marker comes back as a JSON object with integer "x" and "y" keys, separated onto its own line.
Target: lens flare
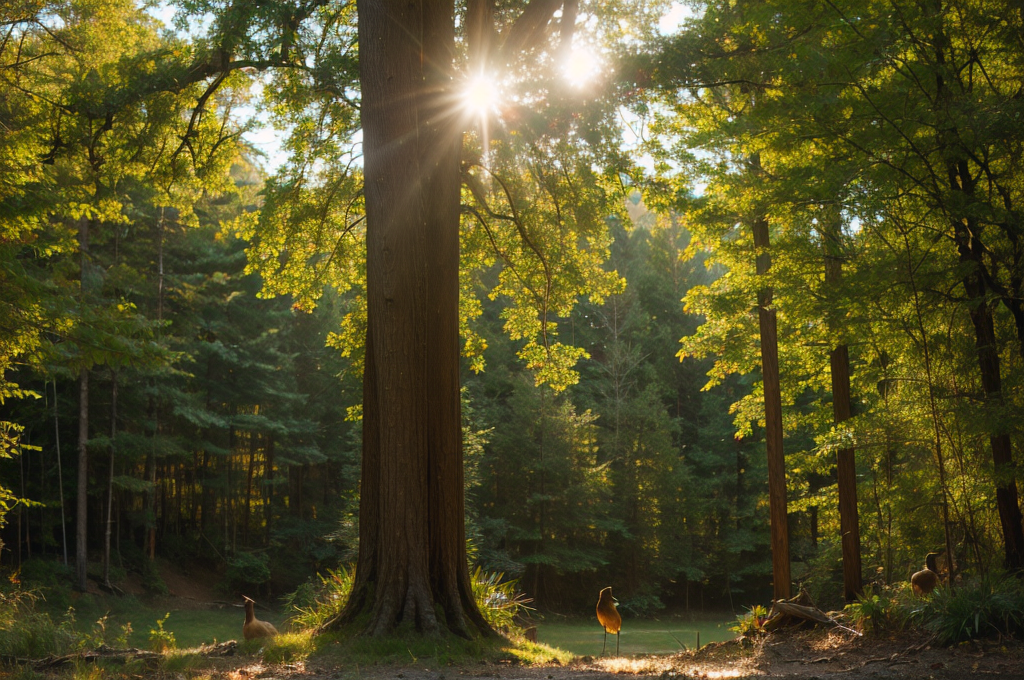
{"x": 481, "y": 95}
{"x": 582, "y": 67}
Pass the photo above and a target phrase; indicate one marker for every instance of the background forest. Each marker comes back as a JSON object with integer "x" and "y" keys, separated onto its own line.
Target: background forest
{"x": 181, "y": 325}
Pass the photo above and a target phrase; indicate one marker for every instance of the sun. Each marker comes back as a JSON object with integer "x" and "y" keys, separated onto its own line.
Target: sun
{"x": 582, "y": 67}
{"x": 481, "y": 95}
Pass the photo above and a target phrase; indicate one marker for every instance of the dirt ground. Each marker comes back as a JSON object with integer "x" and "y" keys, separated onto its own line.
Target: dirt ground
{"x": 793, "y": 655}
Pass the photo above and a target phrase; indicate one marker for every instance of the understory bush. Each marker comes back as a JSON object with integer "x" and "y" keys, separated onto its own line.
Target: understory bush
{"x": 501, "y": 602}
{"x": 882, "y": 609}
{"x": 318, "y": 601}
{"x": 247, "y": 572}
{"x": 982, "y": 607}
{"x": 752, "y": 623}
{"x": 27, "y": 633}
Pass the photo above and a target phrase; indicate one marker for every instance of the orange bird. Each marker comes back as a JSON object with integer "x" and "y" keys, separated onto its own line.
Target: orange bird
{"x": 924, "y": 581}
{"x": 608, "y": 617}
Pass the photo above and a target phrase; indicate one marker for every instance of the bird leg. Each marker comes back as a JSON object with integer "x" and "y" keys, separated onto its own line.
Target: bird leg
{"x": 616, "y": 643}
{"x": 605, "y": 645}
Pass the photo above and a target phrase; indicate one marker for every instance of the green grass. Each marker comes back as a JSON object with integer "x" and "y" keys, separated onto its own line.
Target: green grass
{"x": 637, "y": 637}
{"x": 191, "y": 627}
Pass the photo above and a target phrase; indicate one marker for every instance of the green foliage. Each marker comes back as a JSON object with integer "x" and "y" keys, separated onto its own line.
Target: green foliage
{"x": 247, "y": 570}
{"x": 317, "y": 602}
{"x": 500, "y": 601}
{"x": 881, "y": 611}
{"x": 752, "y": 623}
{"x": 161, "y": 640}
{"x": 26, "y": 632}
{"x": 983, "y": 607}
{"x": 288, "y": 647}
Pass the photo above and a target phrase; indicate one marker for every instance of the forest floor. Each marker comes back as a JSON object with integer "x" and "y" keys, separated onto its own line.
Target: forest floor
{"x": 799, "y": 655}
{"x": 791, "y": 654}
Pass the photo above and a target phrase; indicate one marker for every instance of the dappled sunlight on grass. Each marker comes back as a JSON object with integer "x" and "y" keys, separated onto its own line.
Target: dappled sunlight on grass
{"x": 537, "y": 654}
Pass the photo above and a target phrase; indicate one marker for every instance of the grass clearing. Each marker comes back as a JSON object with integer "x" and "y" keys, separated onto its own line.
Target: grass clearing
{"x": 190, "y": 627}
{"x": 584, "y": 637}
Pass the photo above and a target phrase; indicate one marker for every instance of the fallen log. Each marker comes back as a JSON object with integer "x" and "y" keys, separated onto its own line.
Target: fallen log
{"x": 222, "y": 649}
{"x": 799, "y": 610}
{"x": 102, "y": 653}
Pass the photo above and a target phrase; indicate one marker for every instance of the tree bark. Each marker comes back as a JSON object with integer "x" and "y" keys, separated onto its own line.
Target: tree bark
{"x": 767, "y": 324}
{"x": 967, "y": 234}
{"x": 846, "y": 465}
{"x": 82, "y": 508}
{"x": 412, "y": 560}
{"x": 110, "y": 480}
{"x": 1007, "y": 500}
{"x": 268, "y": 482}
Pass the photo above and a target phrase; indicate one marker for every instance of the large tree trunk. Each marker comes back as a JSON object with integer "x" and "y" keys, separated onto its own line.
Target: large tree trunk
{"x": 846, "y": 466}
{"x": 766, "y": 317}
{"x": 412, "y": 534}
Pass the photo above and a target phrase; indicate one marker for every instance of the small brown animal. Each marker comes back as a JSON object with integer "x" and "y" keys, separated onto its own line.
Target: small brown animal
{"x": 608, "y": 617}
{"x": 254, "y": 628}
{"x": 924, "y": 581}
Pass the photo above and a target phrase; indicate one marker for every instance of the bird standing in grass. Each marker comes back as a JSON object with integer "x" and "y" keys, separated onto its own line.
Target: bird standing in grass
{"x": 254, "y": 628}
{"x": 608, "y": 617}
{"x": 924, "y": 581}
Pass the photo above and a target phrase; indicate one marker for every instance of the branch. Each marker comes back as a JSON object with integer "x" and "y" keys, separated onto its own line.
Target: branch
{"x": 526, "y": 31}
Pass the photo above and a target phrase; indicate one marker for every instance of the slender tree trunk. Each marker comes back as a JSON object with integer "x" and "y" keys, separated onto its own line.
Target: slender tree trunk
{"x": 767, "y": 322}
{"x": 967, "y": 234}
{"x": 933, "y": 407}
{"x": 1007, "y": 500}
{"x": 268, "y": 482}
{"x": 60, "y": 476}
{"x": 21, "y": 512}
{"x": 82, "y": 508}
{"x": 248, "y": 488}
{"x": 110, "y": 479}
{"x": 412, "y": 523}
{"x": 846, "y": 466}
{"x": 970, "y": 248}
{"x": 150, "y": 547}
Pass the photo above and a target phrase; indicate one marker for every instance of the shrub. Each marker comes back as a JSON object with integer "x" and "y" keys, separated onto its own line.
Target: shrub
{"x": 247, "y": 571}
{"x": 981, "y": 607}
{"x": 879, "y": 612}
{"x": 28, "y": 633}
{"x": 161, "y": 640}
{"x": 642, "y": 605}
{"x": 752, "y": 623}
{"x": 49, "y": 579}
{"x": 316, "y": 603}
{"x": 501, "y": 602}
